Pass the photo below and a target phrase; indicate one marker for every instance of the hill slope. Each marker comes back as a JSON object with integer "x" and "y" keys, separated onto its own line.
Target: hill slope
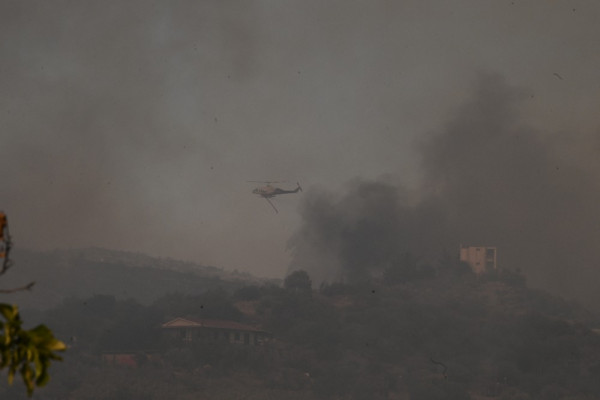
{"x": 64, "y": 273}
{"x": 441, "y": 334}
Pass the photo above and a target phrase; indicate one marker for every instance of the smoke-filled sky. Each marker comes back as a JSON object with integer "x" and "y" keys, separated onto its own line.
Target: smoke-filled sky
{"x": 488, "y": 179}
{"x": 135, "y": 125}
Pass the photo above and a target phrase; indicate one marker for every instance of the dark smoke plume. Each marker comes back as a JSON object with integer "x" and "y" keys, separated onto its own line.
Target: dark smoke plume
{"x": 488, "y": 179}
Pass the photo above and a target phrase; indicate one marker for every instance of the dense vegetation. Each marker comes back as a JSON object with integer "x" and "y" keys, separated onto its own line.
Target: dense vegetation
{"x": 414, "y": 333}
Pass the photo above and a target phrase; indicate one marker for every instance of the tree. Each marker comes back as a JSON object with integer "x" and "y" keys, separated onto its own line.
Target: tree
{"x": 298, "y": 281}
{"x": 27, "y": 352}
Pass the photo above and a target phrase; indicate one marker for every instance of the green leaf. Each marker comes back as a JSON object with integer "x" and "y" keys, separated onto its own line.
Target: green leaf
{"x": 38, "y": 366}
{"x": 8, "y": 311}
{"x": 56, "y": 345}
{"x": 43, "y": 378}
{"x": 27, "y": 352}
{"x": 11, "y": 376}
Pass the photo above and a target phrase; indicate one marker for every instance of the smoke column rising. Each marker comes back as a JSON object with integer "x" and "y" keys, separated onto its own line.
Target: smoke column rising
{"x": 487, "y": 179}
{"x": 135, "y": 125}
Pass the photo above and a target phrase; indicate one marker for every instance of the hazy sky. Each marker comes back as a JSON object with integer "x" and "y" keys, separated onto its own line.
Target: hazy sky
{"x": 135, "y": 125}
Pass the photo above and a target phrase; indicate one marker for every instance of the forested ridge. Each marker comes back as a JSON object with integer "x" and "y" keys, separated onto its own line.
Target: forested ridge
{"x": 425, "y": 333}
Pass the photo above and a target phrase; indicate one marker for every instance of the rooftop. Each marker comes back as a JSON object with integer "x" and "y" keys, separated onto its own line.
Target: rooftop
{"x": 209, "y": 323}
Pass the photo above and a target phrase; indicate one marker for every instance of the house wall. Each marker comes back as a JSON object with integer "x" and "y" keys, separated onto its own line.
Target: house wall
{"x": 479, "y": 258}
{"x": 124, "y": 359}
{"x": 212, "y": 335}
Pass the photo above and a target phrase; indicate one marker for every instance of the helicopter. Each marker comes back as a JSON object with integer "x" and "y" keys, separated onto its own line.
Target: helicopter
{"x": 268, "y": 191}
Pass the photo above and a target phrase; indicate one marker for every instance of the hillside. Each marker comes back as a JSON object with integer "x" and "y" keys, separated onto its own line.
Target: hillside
{"x": 447, "y": 334}
{"x": 61, "y": 274}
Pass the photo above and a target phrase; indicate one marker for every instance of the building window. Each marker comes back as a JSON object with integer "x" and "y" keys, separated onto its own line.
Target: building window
{"x": 237, "y": 336}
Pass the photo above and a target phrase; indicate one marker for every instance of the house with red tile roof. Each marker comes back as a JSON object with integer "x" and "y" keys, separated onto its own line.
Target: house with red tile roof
{"x": 214, "y": 331}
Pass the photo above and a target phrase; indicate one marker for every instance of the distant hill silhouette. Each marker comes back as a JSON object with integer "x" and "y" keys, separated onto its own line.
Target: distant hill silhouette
{"x": 84, "y": 272}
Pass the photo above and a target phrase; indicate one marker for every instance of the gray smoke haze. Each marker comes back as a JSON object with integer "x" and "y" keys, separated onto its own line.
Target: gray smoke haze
{"x": 134, "y": 125}
{"x": 488, "y": 179}
{"x": 105, "y": 135}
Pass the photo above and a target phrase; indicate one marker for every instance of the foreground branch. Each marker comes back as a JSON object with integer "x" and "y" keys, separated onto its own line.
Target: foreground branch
{"x": 19, "y": 289}
{"x": 5, "y": 239}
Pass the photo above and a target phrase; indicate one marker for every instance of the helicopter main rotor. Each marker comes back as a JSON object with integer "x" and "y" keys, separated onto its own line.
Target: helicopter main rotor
{"x": 268, "y": 182}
